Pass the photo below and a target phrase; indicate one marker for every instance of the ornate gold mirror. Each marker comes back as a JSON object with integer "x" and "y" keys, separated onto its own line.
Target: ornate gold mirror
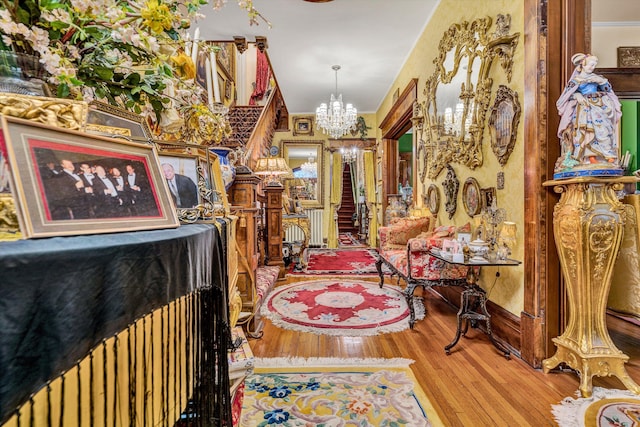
{"x": 306, "y": 161}
{"x": 458, "y": 94}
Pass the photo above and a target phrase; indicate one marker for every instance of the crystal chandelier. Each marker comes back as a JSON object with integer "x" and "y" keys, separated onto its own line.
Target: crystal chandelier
{"x": 349, "y": 155}
{"x": 336, "y": 120}
{"x": 309, "y": 169}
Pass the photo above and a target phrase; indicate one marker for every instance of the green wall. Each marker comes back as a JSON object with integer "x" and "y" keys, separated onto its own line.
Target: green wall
{"x": 630, "y": 131}
{"x": 405, "y": 143}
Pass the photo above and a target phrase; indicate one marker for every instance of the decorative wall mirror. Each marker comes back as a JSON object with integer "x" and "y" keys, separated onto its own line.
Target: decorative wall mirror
{"x": 305, "y": 158}
{"x": 459, "y": 92}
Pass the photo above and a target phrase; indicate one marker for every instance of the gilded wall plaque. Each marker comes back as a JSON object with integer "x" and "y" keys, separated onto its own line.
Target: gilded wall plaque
{"x": 503, "y": 123}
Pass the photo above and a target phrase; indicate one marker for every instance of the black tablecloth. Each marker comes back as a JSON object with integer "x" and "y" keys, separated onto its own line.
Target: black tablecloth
{"x": 59, "y": 297}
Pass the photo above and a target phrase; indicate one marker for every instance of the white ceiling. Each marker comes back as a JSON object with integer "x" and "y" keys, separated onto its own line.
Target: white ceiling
{"x": 370, "y": 39}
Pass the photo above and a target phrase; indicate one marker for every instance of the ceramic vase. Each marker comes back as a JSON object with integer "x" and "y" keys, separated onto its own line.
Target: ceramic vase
{"x": 228, "y": 170}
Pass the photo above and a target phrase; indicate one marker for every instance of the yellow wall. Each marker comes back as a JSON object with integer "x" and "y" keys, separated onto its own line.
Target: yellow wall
{"x": 509, "y": 288}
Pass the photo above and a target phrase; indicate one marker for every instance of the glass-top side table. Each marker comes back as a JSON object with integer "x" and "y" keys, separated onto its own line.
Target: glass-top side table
{"x": 473, "y": 300}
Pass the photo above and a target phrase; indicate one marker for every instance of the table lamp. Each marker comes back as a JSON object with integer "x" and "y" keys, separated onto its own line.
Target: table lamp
{"x": 508, "y": 237}
{"x": 273, "y": 168}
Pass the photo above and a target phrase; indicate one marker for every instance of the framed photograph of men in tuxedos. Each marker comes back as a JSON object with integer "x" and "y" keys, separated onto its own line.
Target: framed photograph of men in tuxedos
{"x": 67, "y": 182}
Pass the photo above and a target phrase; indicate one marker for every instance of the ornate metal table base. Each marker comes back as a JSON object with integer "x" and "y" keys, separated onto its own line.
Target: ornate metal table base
{"x": 588, "y": 225}
{"x": 473, "y": 309}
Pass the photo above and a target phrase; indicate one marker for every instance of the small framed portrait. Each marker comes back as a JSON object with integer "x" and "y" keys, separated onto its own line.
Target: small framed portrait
{"x": 488, "y": 197}
{"x": 181, "y": 175}
{"x": 69, "y": 183}
{"x": 471, "y": 197}
{"x": 109, "y": 120}
{"x": 303, "y": 126}
{"x": 433, "y": 199}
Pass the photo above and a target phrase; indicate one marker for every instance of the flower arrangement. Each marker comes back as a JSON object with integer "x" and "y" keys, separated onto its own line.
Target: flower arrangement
{"x": 129, "y": 53}
{"x": 203, "y": 126}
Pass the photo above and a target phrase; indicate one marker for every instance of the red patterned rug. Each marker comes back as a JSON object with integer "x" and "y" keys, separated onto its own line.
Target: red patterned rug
{"x": 348, "y": 240}
{"x": 338, "y": 262}
{"x": 340, "y": 307}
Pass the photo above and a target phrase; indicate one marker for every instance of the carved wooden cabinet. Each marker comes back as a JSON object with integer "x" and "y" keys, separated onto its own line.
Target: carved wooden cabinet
{"x": 243, "y": 196}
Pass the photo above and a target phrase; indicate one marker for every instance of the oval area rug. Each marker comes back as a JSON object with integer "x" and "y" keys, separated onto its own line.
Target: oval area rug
{"x": 340, "y": 307}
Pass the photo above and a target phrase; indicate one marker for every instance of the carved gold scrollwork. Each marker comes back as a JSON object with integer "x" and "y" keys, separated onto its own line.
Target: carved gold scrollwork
{"x": 458, "y": 93}
{"x": 9, "y": 225}
{"x": 63, "y": 113}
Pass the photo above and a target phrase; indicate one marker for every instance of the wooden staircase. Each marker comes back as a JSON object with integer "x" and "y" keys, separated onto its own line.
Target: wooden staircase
{"x": 254, "y": 127}
{"x": 347, "y": 206}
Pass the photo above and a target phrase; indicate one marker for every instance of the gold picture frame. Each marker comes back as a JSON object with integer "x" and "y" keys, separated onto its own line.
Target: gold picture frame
{"x": 471, "y": 197}
{"x": 629, "y": 57}
{"x": 67, "y": 201}
{"x": 109, "y": 120}
{"x": 433, "y": 199}
{"x": 303, "y": 126}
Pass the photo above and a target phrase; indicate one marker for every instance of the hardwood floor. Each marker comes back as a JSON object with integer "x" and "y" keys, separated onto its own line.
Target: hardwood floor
{"x": 475, "y": 385}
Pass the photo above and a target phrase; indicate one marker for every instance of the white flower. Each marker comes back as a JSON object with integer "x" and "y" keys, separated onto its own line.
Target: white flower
{"x": 52, "y": 61}
{"x": 56, "y": 15}
{"x": 88, "y": 94}
{"x": 73, "y": 52}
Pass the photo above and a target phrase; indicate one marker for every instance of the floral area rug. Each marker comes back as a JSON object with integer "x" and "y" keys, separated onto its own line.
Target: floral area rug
{"x": 340, "y": 307}
{"x": 605, "y": 408}
{"x": 334, "y": 262}
{"x": 335, "y": 392}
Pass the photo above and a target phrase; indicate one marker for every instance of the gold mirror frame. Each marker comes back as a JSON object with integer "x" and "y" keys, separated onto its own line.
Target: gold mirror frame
{"x": 316, "y": 147}
{"x": 469, "y": 49}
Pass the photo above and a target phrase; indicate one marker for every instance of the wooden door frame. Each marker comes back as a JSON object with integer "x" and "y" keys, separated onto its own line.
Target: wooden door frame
{"x": 554, "y": 31}
{"x": 395, "y": 124}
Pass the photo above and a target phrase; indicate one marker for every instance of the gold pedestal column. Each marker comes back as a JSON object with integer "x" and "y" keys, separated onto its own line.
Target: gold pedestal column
{"x": 588, "y": 225}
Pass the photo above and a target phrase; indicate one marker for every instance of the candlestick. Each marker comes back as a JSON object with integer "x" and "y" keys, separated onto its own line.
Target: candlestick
{"x": 194, "y": 48}
{"x": 209, "y": 89}
{"x": 214, "y": 75}
{"x": 187, "y": 45}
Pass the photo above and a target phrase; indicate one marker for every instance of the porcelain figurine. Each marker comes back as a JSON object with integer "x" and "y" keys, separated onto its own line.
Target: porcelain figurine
{"x": 588, "y": 131}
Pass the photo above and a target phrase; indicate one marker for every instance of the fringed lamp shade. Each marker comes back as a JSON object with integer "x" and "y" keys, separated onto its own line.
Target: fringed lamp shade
{"x": 508, "y": 233}
{"x": 273, "y": 168}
